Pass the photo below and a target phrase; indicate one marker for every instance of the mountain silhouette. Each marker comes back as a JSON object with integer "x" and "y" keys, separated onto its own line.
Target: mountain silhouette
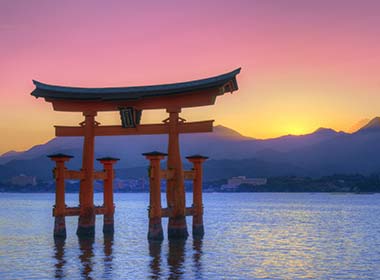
{"x": 323, "y": 152}
{"x": 372, "y": 126}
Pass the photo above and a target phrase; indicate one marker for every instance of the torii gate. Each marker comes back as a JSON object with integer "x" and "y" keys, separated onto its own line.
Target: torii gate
{"x": 131, "y": 101}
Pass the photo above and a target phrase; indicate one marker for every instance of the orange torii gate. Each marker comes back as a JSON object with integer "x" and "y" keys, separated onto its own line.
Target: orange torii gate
{"x": 130, "y": 102}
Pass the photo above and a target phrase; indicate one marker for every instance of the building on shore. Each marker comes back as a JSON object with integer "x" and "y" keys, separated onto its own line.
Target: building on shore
{"x": 235, "y": 182}
{"x": 23, "y": 180}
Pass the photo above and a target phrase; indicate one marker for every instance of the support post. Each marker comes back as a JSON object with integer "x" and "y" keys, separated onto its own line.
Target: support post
{"x": 177, "y": 227}
{"x": 86, "y": 221}
{"x": 108, "y": 218}
{"x": 155, "y": 226}
{"x": 60, "y": 206}
{"x": 198, "y": 228}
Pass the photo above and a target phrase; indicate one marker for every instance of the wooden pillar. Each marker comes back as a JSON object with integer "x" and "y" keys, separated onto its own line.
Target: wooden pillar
{"x": 177, "y": 227}
{"x": 197, "y": 160}
{"x": 60, "y": 206}
{"x": 86, "y": 222}
{"x": 155, "y": 225}
{"x": 108, "y": 220}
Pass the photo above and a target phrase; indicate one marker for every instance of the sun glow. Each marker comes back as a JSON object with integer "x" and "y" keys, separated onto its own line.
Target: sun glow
{"x": 295, "y": 129}
{"x": 330, "y": 79}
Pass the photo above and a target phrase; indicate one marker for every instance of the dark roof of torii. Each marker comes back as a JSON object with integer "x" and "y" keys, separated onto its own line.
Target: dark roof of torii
{"x": 227, "y": 80}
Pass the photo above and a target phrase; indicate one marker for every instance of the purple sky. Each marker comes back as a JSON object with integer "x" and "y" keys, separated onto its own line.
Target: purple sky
{"x": 305, "y": 64}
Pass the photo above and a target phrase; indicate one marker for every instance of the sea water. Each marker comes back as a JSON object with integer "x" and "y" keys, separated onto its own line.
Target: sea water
{"x": 247, "y": 236}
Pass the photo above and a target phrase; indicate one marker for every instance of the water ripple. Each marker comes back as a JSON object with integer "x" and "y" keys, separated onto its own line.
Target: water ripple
{"x": 248, "y": 236}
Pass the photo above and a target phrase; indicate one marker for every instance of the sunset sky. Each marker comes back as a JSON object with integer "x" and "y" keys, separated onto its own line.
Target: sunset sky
{"x": 305, "y": 64}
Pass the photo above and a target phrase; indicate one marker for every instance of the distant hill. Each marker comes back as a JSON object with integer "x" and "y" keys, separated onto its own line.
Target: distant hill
{"x": 372, "y": 126}
{"x": 323, "y": 152}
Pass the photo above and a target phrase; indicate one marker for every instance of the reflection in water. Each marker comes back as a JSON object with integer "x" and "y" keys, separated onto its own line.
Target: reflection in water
{"x": 59, "y": 254}
{"x": 86, "y": 254}
{"x": 176, "y": 258}
{"x": 155, "y": 263}
{"x": 262, "y": 236}
{"x": 197, "y": 247}
{"x": 108, "y": 243}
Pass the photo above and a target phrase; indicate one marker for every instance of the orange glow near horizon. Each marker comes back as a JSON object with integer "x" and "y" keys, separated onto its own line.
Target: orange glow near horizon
{"x": 305, "y": 64}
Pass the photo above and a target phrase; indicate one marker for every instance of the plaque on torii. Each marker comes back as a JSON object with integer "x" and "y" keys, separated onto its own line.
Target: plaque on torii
{"x": 131, "y": 102}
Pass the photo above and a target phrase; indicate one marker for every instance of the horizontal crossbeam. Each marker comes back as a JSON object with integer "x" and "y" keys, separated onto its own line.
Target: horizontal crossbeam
{"x": 168, "y": 174}
{"x": 74, "y": 175}
{"x": 79, "y": 175}
{"x": 166, "y": 212}
{"x": 75, "y": 211}
{"x": 189, "y": 174}
{"x": 143, "y": 129}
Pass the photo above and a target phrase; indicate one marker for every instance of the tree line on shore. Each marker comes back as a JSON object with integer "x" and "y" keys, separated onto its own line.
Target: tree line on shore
{"x": 356, "y": 183}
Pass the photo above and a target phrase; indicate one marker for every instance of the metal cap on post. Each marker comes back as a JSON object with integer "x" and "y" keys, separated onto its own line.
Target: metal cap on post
{"x": 196, "y": 157}
{"x": 155, "y": 154}
{"x": 108, "y": 160}
{"x": 60, "y": 156}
